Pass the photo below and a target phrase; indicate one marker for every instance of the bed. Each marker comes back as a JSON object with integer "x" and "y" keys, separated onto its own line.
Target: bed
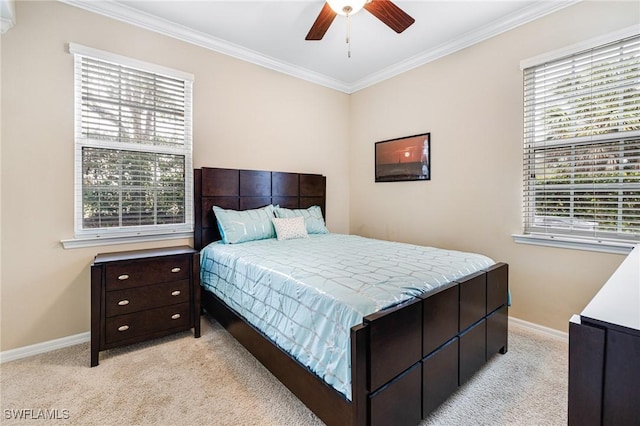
{"x": 404, "y": 360}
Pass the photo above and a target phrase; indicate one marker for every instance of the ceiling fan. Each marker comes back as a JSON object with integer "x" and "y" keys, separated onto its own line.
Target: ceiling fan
{"x": 390, "y": 14}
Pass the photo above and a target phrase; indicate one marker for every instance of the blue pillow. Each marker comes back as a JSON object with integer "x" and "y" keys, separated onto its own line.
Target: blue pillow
{"x": 312, "y": 218}
{"x": 239, "y": 226}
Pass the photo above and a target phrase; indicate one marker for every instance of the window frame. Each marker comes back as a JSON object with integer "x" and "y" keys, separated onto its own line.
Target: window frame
{"x": 85, "y": 237}
{"x": 577, "y": 240}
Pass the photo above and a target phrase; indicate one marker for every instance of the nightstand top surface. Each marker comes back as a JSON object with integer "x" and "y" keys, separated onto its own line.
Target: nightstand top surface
{"x": 142, "y": 254}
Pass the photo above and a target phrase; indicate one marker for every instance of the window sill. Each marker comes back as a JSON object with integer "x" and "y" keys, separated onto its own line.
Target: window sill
{"x": 116, "y": 240}
{"x": 615, "y": 247}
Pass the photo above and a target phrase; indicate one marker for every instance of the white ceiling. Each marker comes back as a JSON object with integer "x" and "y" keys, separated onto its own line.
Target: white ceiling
{"x": 272, "y": 33}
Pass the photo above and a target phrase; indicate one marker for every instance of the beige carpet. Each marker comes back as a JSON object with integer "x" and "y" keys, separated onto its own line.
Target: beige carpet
{"x": 180, "y": 380}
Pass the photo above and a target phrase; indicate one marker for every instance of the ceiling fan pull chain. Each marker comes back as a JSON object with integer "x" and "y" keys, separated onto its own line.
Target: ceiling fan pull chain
{"x": 348, "y": 36}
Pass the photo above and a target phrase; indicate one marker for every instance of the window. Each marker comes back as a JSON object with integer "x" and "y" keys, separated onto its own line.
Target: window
{"x": 133, "y": 148}
{"x": 582, "y": 145}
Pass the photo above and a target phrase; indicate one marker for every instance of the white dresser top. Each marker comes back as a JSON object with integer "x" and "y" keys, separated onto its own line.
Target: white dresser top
{"x": 618, "y": 301}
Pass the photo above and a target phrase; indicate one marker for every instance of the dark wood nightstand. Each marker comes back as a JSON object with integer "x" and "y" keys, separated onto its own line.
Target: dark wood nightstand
{"x": 143, "y": 294}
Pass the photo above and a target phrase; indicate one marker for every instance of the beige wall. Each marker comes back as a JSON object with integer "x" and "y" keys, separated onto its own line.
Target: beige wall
{"x": 248, "y": 117}
{"x": 245, "y": 116}
{"x": 471, "y": 102}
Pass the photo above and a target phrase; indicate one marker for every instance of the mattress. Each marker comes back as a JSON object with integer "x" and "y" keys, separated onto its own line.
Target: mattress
{"x": 305, "y": 294}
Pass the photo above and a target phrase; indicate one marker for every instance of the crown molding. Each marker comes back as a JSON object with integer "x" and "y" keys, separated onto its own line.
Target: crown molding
{"x": 6, "y": 24}
{"x": 152, "y": 23}
{"x": 536, "y": 11}
{"x": 143, "y": 20}
{"x": 7, "y": 15}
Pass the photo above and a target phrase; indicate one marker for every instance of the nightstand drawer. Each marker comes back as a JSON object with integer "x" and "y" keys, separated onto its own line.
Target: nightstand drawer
{"x": 121, "y": 275}
{"x": 137, "y": 324}
{"x": 130, "y": 300}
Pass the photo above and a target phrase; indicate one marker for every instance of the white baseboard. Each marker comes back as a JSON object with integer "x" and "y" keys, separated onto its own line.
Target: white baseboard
{"x": 40, "y": 348}
{"x": 551, "y": 332}
{"x": 52, "y": 345}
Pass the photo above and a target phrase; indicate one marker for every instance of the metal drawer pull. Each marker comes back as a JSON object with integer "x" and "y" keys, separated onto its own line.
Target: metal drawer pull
{"x": 175, "y": 293}
{"x": 174, "y": 270}
{"x": 123, "y": 277}
{"x": 124, "y": 302}
{"x": 123, "y": 328}
{"x": 175, "y": 316}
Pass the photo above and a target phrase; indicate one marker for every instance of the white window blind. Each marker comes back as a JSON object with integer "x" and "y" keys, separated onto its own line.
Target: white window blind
{"x": 133, "y": 147}
{"x": 582, "y": 144}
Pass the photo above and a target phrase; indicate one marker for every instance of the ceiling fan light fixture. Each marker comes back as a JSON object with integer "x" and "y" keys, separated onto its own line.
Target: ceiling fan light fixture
{"x": 346, "y": 7}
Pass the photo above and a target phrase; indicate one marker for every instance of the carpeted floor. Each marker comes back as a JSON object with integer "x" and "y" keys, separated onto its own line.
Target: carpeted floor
{"x": 213, "y": 380}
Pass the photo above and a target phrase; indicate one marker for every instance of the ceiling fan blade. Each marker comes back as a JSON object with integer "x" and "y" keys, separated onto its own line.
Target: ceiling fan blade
{"x": 322, "y": 23}
{"x": 390, "y": 14}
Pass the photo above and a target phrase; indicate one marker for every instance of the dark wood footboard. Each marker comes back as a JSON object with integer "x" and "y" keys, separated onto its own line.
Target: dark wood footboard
{"x": 405, "y": 360}
{"x": 419, "y": 353}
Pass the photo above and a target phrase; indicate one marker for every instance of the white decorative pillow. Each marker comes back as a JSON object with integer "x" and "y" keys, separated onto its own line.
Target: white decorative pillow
{"x": 290, "y": 228}
{"x": 312, "y": 217}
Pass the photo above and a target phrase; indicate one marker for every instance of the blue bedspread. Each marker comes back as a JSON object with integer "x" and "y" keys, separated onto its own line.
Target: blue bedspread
{"x": 305, "y": 294}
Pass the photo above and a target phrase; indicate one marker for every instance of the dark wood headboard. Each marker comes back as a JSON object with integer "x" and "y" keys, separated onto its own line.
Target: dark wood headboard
{"x": 249, "y": 189}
